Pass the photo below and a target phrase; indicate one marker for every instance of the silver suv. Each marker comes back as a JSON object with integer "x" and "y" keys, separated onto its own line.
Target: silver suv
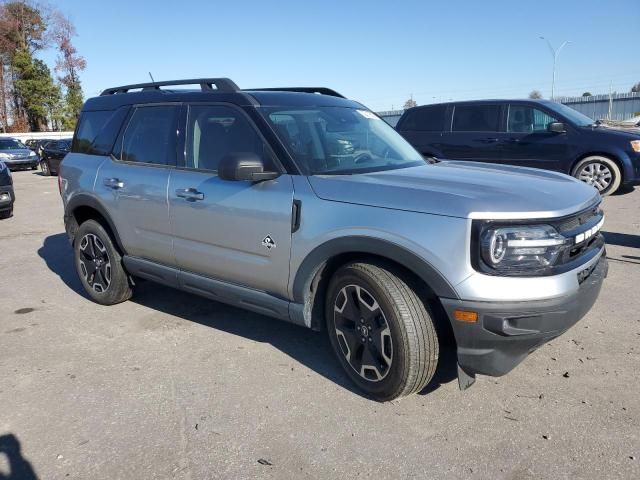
{"x": 305, "y": 206}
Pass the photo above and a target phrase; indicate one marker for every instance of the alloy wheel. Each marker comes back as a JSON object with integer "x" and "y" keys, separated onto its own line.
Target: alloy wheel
{"x": 363, "y": 333}
{"x": 597, "y": 175}
{"x": 94, "y": 263}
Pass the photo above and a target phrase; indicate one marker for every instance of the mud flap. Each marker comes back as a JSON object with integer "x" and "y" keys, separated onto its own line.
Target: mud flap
{"x": 465, "y": 380}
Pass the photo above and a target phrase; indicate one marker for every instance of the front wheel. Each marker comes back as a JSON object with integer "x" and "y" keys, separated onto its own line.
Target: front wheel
{"x": 99, "y": 265}
{"x": 380, "y": 330}
{"x": 599, "y": 172}
{"x": 44, "y": 166}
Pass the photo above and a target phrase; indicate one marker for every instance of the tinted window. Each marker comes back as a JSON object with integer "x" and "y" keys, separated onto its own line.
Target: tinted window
{"x": 476, "y": 118}
{"x": 150, "y": 136}
{"x": 89, "y": 126}
{"x": 425, "y": 119}
{"x": 525, "y": 119}
{"x": 214, "y": 132}
{"x": 103, "y": 143}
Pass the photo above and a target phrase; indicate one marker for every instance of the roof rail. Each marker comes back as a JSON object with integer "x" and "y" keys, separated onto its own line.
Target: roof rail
{"x": 206, "y": 84}
{"x": 319, "y": 90}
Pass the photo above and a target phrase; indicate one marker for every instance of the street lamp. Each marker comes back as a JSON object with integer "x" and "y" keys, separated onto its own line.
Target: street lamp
{"x": 555, "y": 54}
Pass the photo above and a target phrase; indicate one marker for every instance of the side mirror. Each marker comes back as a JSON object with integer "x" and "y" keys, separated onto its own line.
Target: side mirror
{"x": 244, "y": 167}
{"x": 556, "y": 127}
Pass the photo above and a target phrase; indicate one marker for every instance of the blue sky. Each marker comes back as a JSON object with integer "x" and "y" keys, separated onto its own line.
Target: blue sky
{"x": 375, "y": 52}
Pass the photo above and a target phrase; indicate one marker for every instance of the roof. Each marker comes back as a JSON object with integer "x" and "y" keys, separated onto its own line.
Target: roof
{"x": 491, "y": 100}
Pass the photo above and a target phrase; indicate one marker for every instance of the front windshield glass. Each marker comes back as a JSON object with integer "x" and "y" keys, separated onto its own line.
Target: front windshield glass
{"x": 573, "y": 115}
{"x": 10, "y": 144}
{"x": 340, "y": 141}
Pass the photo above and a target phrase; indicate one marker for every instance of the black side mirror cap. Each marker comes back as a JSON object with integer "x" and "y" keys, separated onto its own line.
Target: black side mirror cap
{"x": 556, "y": 127}
{"x": 244, "y": 166}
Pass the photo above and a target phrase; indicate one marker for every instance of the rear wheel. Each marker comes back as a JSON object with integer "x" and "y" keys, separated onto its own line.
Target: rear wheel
{"x": 599, "y": 172}
{"x": 44, "y": 166}
{"x": 380, "y": 330}
{"x": 99, "y": 265}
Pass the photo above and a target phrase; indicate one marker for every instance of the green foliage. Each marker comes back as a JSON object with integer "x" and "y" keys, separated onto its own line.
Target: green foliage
{"x": 587, "y": 94}
{"x": 34, "y": 85}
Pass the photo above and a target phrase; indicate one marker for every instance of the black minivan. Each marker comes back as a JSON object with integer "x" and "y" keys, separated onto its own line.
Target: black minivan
{"x": 529, "y": 133}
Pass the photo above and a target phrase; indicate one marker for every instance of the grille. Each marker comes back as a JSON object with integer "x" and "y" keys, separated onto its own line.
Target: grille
{"x": 571, "y": 223}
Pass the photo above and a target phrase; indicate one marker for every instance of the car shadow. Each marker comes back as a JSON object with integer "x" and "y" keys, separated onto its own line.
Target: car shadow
{"x": 623, "y": 190}
{"x": 622, "y": 239}
{"x": 19, "y": 467}
{"x": 309, "y": 348}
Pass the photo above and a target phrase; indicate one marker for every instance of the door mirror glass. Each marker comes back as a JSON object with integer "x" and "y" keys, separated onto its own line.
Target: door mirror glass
{"x": 556, "y": 127}
{"x": 244, "y": 166}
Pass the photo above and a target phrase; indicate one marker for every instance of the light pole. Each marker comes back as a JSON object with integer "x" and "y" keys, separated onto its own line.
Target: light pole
{"x": 555, "y": 54}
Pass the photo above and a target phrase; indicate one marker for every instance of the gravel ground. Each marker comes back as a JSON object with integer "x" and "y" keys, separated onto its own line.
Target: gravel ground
{"x": 169, "y": 385}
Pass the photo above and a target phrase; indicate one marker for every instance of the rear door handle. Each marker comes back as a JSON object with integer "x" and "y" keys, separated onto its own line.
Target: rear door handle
{"x": 512, "y": 140}
{"x": 189, "y": 194}
{"x": 113, "y": 183}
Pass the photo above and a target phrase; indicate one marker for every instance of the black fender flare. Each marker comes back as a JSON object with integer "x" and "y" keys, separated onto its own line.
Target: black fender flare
{"x": 319, "y": 256}
{"x": 86, "y": 200}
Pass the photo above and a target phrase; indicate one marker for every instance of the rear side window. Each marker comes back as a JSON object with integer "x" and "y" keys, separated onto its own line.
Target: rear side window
{"x": 476, "y": 118}
{"x": 150, "y": 136}
{"x": 89, "y": 126}
{"x": 425, "y": 119}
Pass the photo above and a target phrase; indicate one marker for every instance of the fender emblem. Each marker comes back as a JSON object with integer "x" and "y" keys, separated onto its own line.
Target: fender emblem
{"x": 268, "y": 242}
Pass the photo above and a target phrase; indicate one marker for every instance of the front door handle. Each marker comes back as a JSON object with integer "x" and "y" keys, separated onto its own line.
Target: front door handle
{"x": 189, "y": 194}
{"x": 113, "y": 183}
{"x": 486, "y": 140}
{"x": 512, "y": 140}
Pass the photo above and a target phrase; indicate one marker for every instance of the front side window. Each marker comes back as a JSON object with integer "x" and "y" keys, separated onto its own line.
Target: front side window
{"x": 476, "y": 118}
{"x": 340, "y": 140}
{"x": 525, "y": 119}
{"x": 150, "y": 136}
{"x": 214, "y": 132}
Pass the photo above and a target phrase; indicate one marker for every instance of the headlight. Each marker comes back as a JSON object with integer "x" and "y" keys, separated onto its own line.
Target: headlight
{"x": 32, "y": 153}
{"x": 635, "y": 144}
{"x": 525, "y": 248}
{"x": 3, "y": 156}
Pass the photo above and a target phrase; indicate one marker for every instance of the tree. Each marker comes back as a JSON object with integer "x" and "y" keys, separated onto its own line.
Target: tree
{"x": 587, "y": 94}
{"x": 636, "y": 88}
{"x": 69, "y": 63}
{"x": 410, "y": 103}
{"x": 535, "y": 94}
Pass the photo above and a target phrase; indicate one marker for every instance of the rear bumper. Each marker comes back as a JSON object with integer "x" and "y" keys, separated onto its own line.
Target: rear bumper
{"x": 7, "y": 197}
{"x": 506, "y": 332}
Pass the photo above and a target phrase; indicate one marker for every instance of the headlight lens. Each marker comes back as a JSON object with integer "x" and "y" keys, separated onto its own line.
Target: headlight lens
{"x": 520, "y": 248}
{"x": 32, "y": 153}
{"x": 635, "y": 144}
{"x": 3, "y": 156}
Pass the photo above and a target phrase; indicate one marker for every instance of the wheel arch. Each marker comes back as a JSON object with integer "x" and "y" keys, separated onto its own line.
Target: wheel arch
{"x": 611, "y": 156}
{"x": 313, "y": 275}
{"x": 84, "y": 207}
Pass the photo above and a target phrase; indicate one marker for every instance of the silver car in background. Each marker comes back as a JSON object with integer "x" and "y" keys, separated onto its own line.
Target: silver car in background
{"x": 17, "y": 155}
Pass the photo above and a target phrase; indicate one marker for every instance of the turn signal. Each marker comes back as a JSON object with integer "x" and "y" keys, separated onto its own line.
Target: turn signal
{"x": 465, "y": 316}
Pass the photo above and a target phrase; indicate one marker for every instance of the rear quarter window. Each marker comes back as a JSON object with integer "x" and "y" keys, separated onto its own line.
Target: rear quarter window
{"x": 89, "y": 125}
{"x": 425, "y": 119}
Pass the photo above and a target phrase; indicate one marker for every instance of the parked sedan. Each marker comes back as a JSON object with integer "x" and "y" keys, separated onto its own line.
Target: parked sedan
{"x": 17, "y": 155}
{"x": 7, "y": 196}
{"x": 52, "y": 154}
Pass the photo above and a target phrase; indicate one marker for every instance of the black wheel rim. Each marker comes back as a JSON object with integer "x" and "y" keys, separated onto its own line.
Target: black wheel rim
{"x": 363, "y": 333}
{"x": 95, "y": 263}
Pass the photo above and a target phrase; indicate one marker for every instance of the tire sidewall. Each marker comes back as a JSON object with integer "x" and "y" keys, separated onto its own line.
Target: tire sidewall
{"x": 118, "y": 290}
{"x": 394, "y": 379}
{"x": 610, "y": 164}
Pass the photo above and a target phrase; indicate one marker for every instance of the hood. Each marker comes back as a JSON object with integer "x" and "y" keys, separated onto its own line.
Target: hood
{"x": 462, "y": 189}
{"x": 14, "y": 153}
{"x": 616, "y": 132}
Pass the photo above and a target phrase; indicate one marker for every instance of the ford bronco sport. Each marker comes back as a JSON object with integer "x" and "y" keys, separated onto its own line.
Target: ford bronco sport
{"x": 300, "y": 204}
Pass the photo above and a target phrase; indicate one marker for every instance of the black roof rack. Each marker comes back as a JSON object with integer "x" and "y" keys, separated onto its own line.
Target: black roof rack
{"x": 320, "y": 90}
{"x": 206, "y": 84}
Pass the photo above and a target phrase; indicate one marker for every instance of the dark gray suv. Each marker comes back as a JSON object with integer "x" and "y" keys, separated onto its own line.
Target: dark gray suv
{"x": 300, "y": 204}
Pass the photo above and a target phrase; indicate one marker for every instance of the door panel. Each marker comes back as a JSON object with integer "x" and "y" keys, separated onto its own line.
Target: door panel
{"x": 220, "y": 234}
{"x": 528, "y": 143}
{"x": 136, "y": 199}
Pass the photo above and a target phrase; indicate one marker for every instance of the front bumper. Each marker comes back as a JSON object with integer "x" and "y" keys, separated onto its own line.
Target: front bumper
{"x": 28, "y": 162}
{"x": 506, "y": 332}
{"x": 7, "y": 197}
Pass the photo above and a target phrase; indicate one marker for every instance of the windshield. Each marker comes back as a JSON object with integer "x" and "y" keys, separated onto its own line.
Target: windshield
{"x": 10, "y": 144}
{"x": 339, "y": 140}
{"x": 573, "y": 115}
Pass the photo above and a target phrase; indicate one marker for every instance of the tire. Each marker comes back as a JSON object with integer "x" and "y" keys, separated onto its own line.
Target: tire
{"x": 402, "y": 338}
{"x": 6, "y": 213}
{"x": 44, "y": 166}
{"x": 99, "y": 265}
{"x": 600, "y": 172}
